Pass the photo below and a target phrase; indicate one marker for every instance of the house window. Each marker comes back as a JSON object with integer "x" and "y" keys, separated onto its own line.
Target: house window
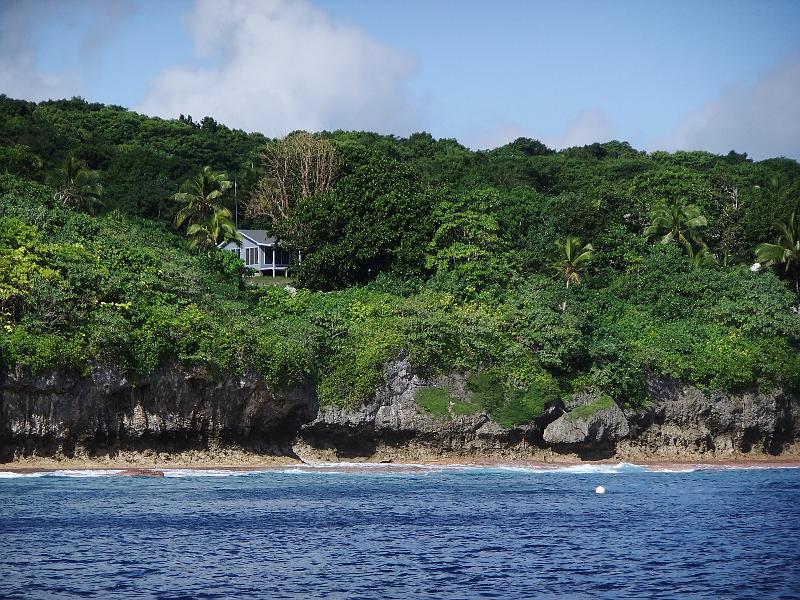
{"x": 281, "y": 256}
{"x": 251, "y": 256}
{"x": 236, "y": 252}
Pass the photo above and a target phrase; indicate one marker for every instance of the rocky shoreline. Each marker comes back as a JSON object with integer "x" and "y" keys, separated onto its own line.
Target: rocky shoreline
{"x": 134, "y": 466}
{"x": 187, "y": 417}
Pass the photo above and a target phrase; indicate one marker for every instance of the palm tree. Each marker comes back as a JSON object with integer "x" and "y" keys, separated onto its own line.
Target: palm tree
{"x": 572, "y": 260}
{"x": 219, "y": 226}
{"x": 701, "y": 257}
{"x": 207, "y": 219}
{"x": 675, "y": 221}
{"x": 786, "y": 250}
{"x": 76, "y": 186}
{"x": 201, "y": 195}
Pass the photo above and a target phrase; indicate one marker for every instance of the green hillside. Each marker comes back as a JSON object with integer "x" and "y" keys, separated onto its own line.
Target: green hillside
{"x": 463, "y": 260}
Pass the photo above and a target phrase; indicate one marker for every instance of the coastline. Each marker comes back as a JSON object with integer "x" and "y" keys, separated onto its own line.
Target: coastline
{"x": 137, "y": 463}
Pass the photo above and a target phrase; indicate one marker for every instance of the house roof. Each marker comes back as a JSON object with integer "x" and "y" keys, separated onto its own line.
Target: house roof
{"x": 259, "y": 236}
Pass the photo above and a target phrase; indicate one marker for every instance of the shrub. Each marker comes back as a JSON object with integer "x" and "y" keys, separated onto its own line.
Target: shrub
{"x": 434, "y": 400}
{"x": 586, "y": 411}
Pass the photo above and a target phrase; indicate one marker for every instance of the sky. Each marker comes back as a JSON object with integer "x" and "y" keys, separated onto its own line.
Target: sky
{"x": 714, "y": 75}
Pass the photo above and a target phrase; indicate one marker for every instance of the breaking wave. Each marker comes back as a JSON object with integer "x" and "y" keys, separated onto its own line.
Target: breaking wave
{"x": 349, "y": 468}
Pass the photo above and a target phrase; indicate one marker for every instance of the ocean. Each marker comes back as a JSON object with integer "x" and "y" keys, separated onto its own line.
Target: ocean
{"x": 403, "y": 532}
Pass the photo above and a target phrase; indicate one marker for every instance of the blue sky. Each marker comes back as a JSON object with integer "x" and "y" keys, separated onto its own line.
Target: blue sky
{"x": 712, "y": 75}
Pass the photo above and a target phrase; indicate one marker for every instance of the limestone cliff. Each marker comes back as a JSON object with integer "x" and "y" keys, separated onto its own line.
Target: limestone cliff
{"x": 176, "y": 408}
{"x": 172, "y": 409}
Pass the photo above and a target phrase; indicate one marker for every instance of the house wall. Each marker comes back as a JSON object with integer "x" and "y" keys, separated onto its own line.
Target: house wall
{"x": 241, "y": 252}
{"x": 264, "y": 255}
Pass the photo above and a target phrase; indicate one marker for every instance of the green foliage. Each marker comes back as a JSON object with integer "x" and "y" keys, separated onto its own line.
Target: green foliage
{"x": 139, "y": 160}
{"x": 434, "y": 400}
{"x": 487, "y": 390}
{"x": 572, "y": 260}
{"x": 700, "y": 257}
{"x": 438, "y": 402}
{"x": 20, "y": 160}
{"x": 666, "y": 318}
{"x": 510, "y": 406}
{"x": 676, "y": 221}
{"x": 466, "y": 253}
{"x": 375, "y": 219}
{"x": 785, "y": 252}
{"x": 208, "y": 221}
{"x": 435, "y": 253}
{"x": 76, "y": 186}
{"x": 585, "y": 411}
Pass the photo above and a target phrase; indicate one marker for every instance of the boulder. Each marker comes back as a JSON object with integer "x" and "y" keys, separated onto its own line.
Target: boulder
{"x": 592, "y": 422}
{"x": 141, "y": 473}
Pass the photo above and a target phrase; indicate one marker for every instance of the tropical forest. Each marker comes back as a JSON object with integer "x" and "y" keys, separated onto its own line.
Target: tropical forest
{"x": 540, "y": 273}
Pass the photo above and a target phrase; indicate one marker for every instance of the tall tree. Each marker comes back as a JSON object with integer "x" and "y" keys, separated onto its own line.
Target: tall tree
{"x": 208, "y": 220}
{"x": 76, "y": 186}
{"x": 676, "y": 221}
{"x": 467, "y": 252}
{"x": 297, "y": 167}
{"x": 785, "y": 251}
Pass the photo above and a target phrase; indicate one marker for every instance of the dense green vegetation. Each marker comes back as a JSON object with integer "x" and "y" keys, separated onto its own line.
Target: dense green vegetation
{"x": 539, "y": 272}
{"x": 584, "y": 411}
{"x": 440, "y": 403}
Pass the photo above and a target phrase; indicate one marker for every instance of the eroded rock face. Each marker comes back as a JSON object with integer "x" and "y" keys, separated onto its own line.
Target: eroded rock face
{"x": 173, "y": 408}
{"x": 394, "y": 418}
{"x": 683, "y": 419}
{"x": 176, "y": 409}
{"x": 600, "y": 429}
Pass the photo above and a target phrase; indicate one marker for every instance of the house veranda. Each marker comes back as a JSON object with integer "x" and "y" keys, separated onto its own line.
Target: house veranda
{"x": 260, "y": 251}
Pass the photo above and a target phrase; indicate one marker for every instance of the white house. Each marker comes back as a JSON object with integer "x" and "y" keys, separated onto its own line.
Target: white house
{"x": 260, "y": 251}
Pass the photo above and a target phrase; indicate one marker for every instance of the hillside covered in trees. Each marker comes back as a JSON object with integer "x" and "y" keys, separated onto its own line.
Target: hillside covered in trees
{"x": 540, "y": 273}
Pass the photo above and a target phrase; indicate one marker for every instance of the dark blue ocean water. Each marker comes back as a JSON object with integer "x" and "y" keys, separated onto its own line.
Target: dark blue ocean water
{"x": 451, "y": 533}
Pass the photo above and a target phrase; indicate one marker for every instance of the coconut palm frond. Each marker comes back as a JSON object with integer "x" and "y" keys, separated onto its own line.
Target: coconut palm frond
{"x": 208, "y": 220}
{"x": 785, "y": 252}
{"x": 572, "y": 259}
{"x": 675, "y": 221}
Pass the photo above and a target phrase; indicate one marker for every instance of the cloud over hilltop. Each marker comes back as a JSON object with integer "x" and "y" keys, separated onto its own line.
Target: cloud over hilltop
{"x": 761, "y": 117}
{"x": 279, "y": 65}
{"x": 588, "y": 126}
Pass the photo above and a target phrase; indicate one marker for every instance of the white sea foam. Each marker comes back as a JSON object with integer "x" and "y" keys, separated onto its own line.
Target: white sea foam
{"x": 61, "y": 473}
{"x": 371, "y": 465}
{"x": 622, "y": 467}
{"x": 756, "y": 467}
{"x": 13, "y": 475}
{"x": 313, "y": 471}
{"x": 85, "y": 472}
{"x": 176, "y": 473}
{"x": 349, "y": 468}
{"x": 672, "y": 469}
{"x": 401, "y": 468}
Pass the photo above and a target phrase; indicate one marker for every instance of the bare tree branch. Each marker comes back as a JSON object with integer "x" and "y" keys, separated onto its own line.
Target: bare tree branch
{"x": 298, "y": 167}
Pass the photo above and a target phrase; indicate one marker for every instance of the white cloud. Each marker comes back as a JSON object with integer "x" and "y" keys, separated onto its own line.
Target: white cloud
{"x": 761, "y": 118}
{"x": 588, "y": 127}
{"x": 86, "y": 28}
{"x": 498, "y": 136}
{"x": 19, "y": 76}
{"x": 281, "y": 65}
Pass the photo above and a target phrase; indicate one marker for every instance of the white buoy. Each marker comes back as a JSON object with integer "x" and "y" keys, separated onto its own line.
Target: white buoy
{"x": 600, "y": 490}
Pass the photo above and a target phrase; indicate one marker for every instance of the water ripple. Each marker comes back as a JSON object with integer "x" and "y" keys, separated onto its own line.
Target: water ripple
{"x": 447, "y": 533}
